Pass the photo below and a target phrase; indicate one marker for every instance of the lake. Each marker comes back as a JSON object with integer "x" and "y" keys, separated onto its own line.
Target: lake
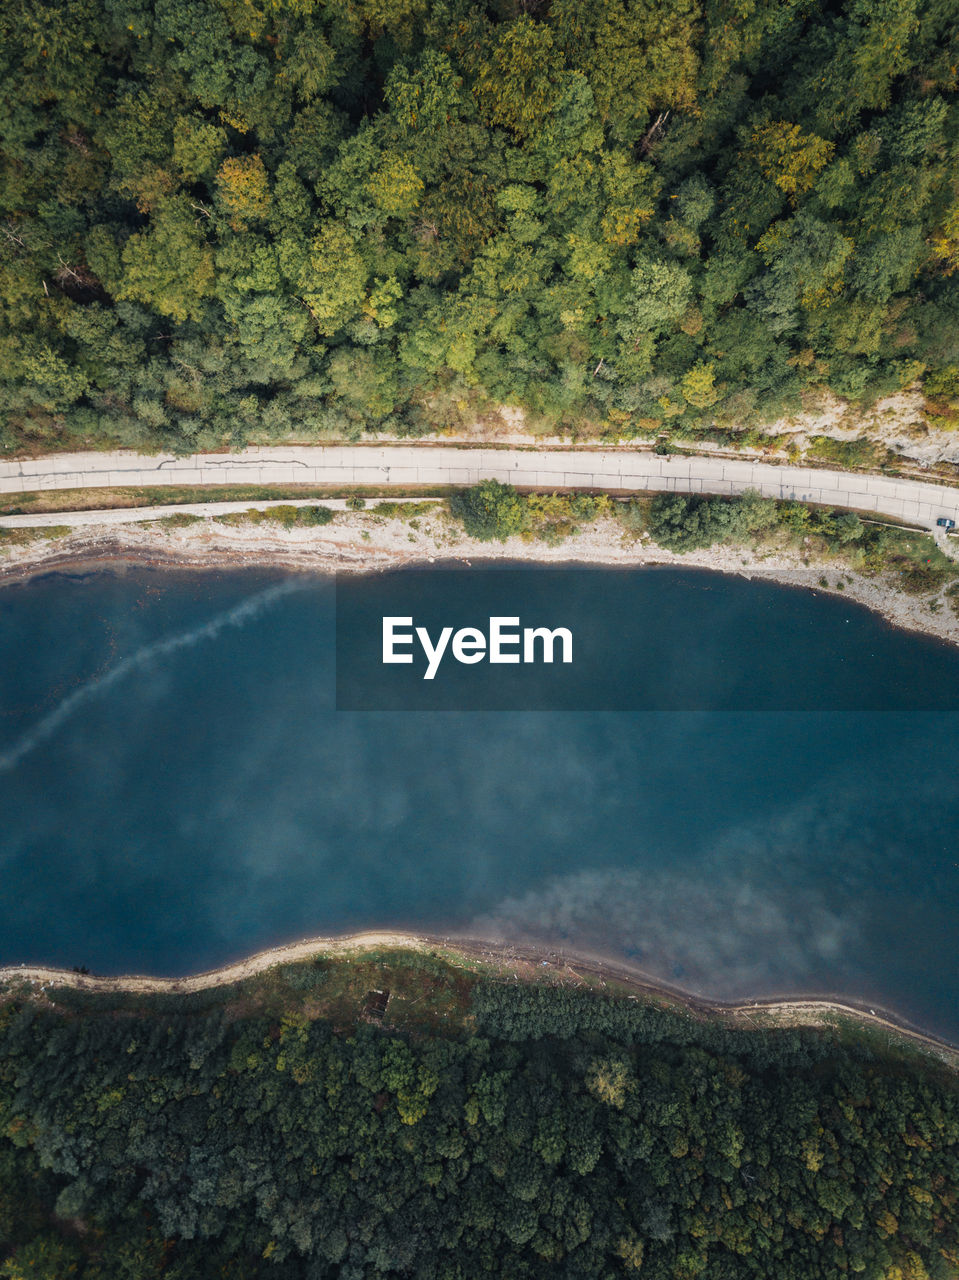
{"x": 178, "y": 787}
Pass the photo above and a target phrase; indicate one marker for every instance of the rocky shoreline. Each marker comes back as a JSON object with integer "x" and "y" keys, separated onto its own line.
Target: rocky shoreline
{"x": 362, "y": 542}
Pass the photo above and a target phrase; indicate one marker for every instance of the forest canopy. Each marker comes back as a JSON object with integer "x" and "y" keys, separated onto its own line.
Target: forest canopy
{"x": 227, "y": 219}
{"x": 444, "y": 1127}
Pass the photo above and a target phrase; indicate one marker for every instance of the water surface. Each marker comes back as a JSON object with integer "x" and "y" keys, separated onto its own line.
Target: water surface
{"x": 177, "y": 789}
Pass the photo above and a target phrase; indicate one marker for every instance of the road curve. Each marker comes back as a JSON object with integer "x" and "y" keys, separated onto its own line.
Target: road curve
{"x": 911, "y": 501}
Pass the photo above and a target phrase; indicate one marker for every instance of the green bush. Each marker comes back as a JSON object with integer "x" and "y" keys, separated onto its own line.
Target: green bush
{"x": 490, "y": 511}
{"x": 861, "y": 453}
{"x": 685, "y": 524}
{"x": 287, "y": 516}
{"x": 312, "y": 516}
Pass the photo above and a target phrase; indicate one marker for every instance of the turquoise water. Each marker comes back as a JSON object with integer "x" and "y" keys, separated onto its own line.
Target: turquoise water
{"x": 177, "y": 789}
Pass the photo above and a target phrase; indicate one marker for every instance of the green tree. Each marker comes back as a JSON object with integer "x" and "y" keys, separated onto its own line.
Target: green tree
{"x": 518, "y": 84}
{"x": 169, "y": 266}
{"x": 490, "y": 511}
{"x": 334, "y": 282}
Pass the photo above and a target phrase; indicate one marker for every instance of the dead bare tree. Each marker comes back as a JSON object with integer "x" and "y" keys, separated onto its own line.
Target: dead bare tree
{"x": 76, "y": 138}
{"x": 656, "y": 128}
{"x": 426, "y": 231}
{"x": 66, "y": 272}
{"x": 14, "y": 237}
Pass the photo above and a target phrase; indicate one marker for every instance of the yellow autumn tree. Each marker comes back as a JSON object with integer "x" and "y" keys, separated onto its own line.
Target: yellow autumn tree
{"x": 244, "y": 189}
{"x": 518, "y": 83}
{"x": 250, "y": 18}
{"x": 945, "y": 240}
{"x": 608, "y": 1079}
{"x": 395, "y": 186}
{"x": 631, "y": 192}
{"x": 699, "y": 386}
{"x": 334, "y": 282}
{"x": 790, "y": 157}
{"x": 630, "y": 1248}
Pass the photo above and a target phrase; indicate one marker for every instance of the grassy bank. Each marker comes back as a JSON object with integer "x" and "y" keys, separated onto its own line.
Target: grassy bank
{"x": 432, "y": 983}
{"x": 24, "y": 537}
{"x": 53, "y": 500}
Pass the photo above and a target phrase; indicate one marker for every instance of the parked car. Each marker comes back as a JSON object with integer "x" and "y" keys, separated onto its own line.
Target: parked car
{"x": 945, "y": 523}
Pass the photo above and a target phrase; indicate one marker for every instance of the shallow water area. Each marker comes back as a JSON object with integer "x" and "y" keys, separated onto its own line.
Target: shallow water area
{"x": 178, "y": 789}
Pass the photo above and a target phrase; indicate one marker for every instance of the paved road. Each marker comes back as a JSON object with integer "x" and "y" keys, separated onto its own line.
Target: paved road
{"x": 912, "y": 501}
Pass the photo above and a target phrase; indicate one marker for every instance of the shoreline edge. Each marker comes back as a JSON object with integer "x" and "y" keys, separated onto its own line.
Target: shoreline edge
{"x": 490, "y": 959}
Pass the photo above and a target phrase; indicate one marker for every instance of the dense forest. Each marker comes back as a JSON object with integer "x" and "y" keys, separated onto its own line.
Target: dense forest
{"x": 236, "y": 219}
{"x": 447, "y": 1127}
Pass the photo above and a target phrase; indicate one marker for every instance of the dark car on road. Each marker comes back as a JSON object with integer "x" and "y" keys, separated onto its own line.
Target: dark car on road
{"x": 945, "y": 523}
